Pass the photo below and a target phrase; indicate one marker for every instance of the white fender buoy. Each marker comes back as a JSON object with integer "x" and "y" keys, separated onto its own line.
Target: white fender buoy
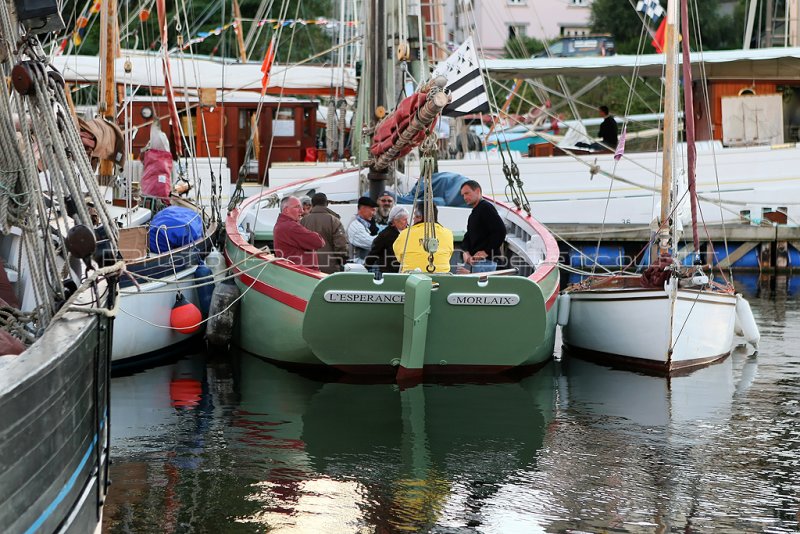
{"x": 563, "y": 309}
{"x": 747, "y": 323}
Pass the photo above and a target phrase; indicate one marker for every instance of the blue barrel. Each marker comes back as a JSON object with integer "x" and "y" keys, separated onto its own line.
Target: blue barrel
{"x": 793, "y": 257}
{"x": 748, "y": 261}
{"x": 605, "y": 255}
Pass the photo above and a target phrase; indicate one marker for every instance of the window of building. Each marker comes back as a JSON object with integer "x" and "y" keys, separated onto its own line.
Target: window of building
{"x": 579, "y": 2}
{"x": 517, "y": 2}
{"x": 516, "y": 30}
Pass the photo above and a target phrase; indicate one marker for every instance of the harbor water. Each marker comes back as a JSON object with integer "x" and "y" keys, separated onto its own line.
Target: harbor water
{"x": 230, "y": 443}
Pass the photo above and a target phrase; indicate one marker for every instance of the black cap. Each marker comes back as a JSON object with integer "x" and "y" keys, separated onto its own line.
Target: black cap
{"x": 366, "y": 201}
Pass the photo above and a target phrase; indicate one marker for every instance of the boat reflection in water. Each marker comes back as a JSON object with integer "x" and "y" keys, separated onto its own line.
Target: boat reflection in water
{"x": 644, "y": 453}
{"x": 360, "y": 455}
{"x": 272, "y": 449}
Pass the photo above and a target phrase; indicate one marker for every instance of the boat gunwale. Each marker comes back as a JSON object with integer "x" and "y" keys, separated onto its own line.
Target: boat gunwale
{"x": 636, "y": 293}
{"x": 231, "y": 227}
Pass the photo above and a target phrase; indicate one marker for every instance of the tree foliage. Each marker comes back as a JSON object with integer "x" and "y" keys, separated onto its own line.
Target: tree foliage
{"x": 718, "y": 31}
{"x": 192, "y": 19}
{"x": 522, "y": 47}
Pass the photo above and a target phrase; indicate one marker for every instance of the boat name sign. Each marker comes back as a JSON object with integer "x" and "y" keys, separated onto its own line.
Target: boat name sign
{"x": 483, "y": 299}
{"x": 398, "y": 297}
{"x": 365, "y": 297}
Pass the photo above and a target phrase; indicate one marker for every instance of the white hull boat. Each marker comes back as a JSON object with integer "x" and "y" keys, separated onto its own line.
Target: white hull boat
{"x": 670, "y": 317}
{"x": 143, "y": 324}
{"x": 661, "y": 330}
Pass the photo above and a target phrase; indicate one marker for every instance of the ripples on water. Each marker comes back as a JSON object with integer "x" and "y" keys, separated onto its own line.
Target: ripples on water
{"x": 237, "y": 445}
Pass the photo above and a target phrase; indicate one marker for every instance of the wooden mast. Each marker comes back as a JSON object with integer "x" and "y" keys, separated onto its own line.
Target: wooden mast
{"x": 237, "y": 14}
{"x": 107, "y": 106}
{"x": 670, "y": 119}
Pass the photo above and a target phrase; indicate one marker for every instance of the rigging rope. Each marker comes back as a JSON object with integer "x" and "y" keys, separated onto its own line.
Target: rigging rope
{"x": 428, "y": 152}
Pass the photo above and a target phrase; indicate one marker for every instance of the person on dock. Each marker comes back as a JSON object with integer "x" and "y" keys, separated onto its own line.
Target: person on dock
{"x": 382, "y": 257}
{"x": 486, "y": 232}
{"x": 327, "y": 223}
{"x": 293, "y": 241}
{"x": 409, "y": 247}
{"x": 362, "y": 229}
{"x": 385, "y": 205}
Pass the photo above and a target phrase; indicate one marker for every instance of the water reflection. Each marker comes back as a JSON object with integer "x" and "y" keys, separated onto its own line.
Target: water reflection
{"x": 303, "y": 455}
{"x": 673, "y": 403}
{"x": 238, "y": 445}
{"x": 653, "y": 454}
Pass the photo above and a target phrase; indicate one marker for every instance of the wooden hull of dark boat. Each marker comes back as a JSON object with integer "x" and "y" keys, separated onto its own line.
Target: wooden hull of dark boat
{"x": 54, "y": 429}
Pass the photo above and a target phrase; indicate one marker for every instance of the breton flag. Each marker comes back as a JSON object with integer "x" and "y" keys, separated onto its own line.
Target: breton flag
{"x": 464, "y": 81}
{"x": 651, "y": 8}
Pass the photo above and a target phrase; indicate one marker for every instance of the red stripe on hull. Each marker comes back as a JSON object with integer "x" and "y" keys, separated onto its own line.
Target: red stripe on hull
{"x": 552, "y": 300}
{"x": 293, "y": 301}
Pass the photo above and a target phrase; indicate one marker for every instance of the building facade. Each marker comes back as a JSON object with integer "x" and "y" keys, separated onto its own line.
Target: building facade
{"x": 494, "y": 21}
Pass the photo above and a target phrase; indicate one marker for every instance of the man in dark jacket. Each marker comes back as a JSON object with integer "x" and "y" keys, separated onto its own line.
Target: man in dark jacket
{"x": 486, "y": 232}
{"x": 326, "y": 223}
{"x": 293, "y": 241}
{"x": 608, "y": 132}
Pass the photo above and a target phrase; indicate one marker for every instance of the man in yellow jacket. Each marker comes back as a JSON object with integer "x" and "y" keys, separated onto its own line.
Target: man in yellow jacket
{"x": 410, "y": 251}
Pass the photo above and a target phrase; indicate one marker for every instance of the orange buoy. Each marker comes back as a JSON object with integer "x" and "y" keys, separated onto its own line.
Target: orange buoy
{"x": 185, "y": 317}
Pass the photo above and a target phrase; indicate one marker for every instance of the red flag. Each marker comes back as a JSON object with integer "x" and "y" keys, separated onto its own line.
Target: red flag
{"x": 658, "y": 39}
{"x": 266, "y": 65}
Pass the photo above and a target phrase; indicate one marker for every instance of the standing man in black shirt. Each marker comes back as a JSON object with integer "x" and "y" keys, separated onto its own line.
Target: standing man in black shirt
{"x": 486, "y": 232}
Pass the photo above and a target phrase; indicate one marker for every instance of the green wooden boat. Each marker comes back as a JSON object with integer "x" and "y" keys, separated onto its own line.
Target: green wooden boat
{"x": 407, "y": 325}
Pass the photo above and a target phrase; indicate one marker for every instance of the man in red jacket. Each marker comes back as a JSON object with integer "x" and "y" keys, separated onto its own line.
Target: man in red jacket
{"x": 293, "y": 241}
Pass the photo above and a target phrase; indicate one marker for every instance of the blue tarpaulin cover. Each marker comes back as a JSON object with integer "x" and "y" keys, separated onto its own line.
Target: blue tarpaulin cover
{"x": 446, "y": 188}
{"x": 174, "y": 227}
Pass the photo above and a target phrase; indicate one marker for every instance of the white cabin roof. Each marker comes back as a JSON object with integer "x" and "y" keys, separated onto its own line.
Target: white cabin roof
{"x": 195, "y": 73}
{"x": 756, "y": 64}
